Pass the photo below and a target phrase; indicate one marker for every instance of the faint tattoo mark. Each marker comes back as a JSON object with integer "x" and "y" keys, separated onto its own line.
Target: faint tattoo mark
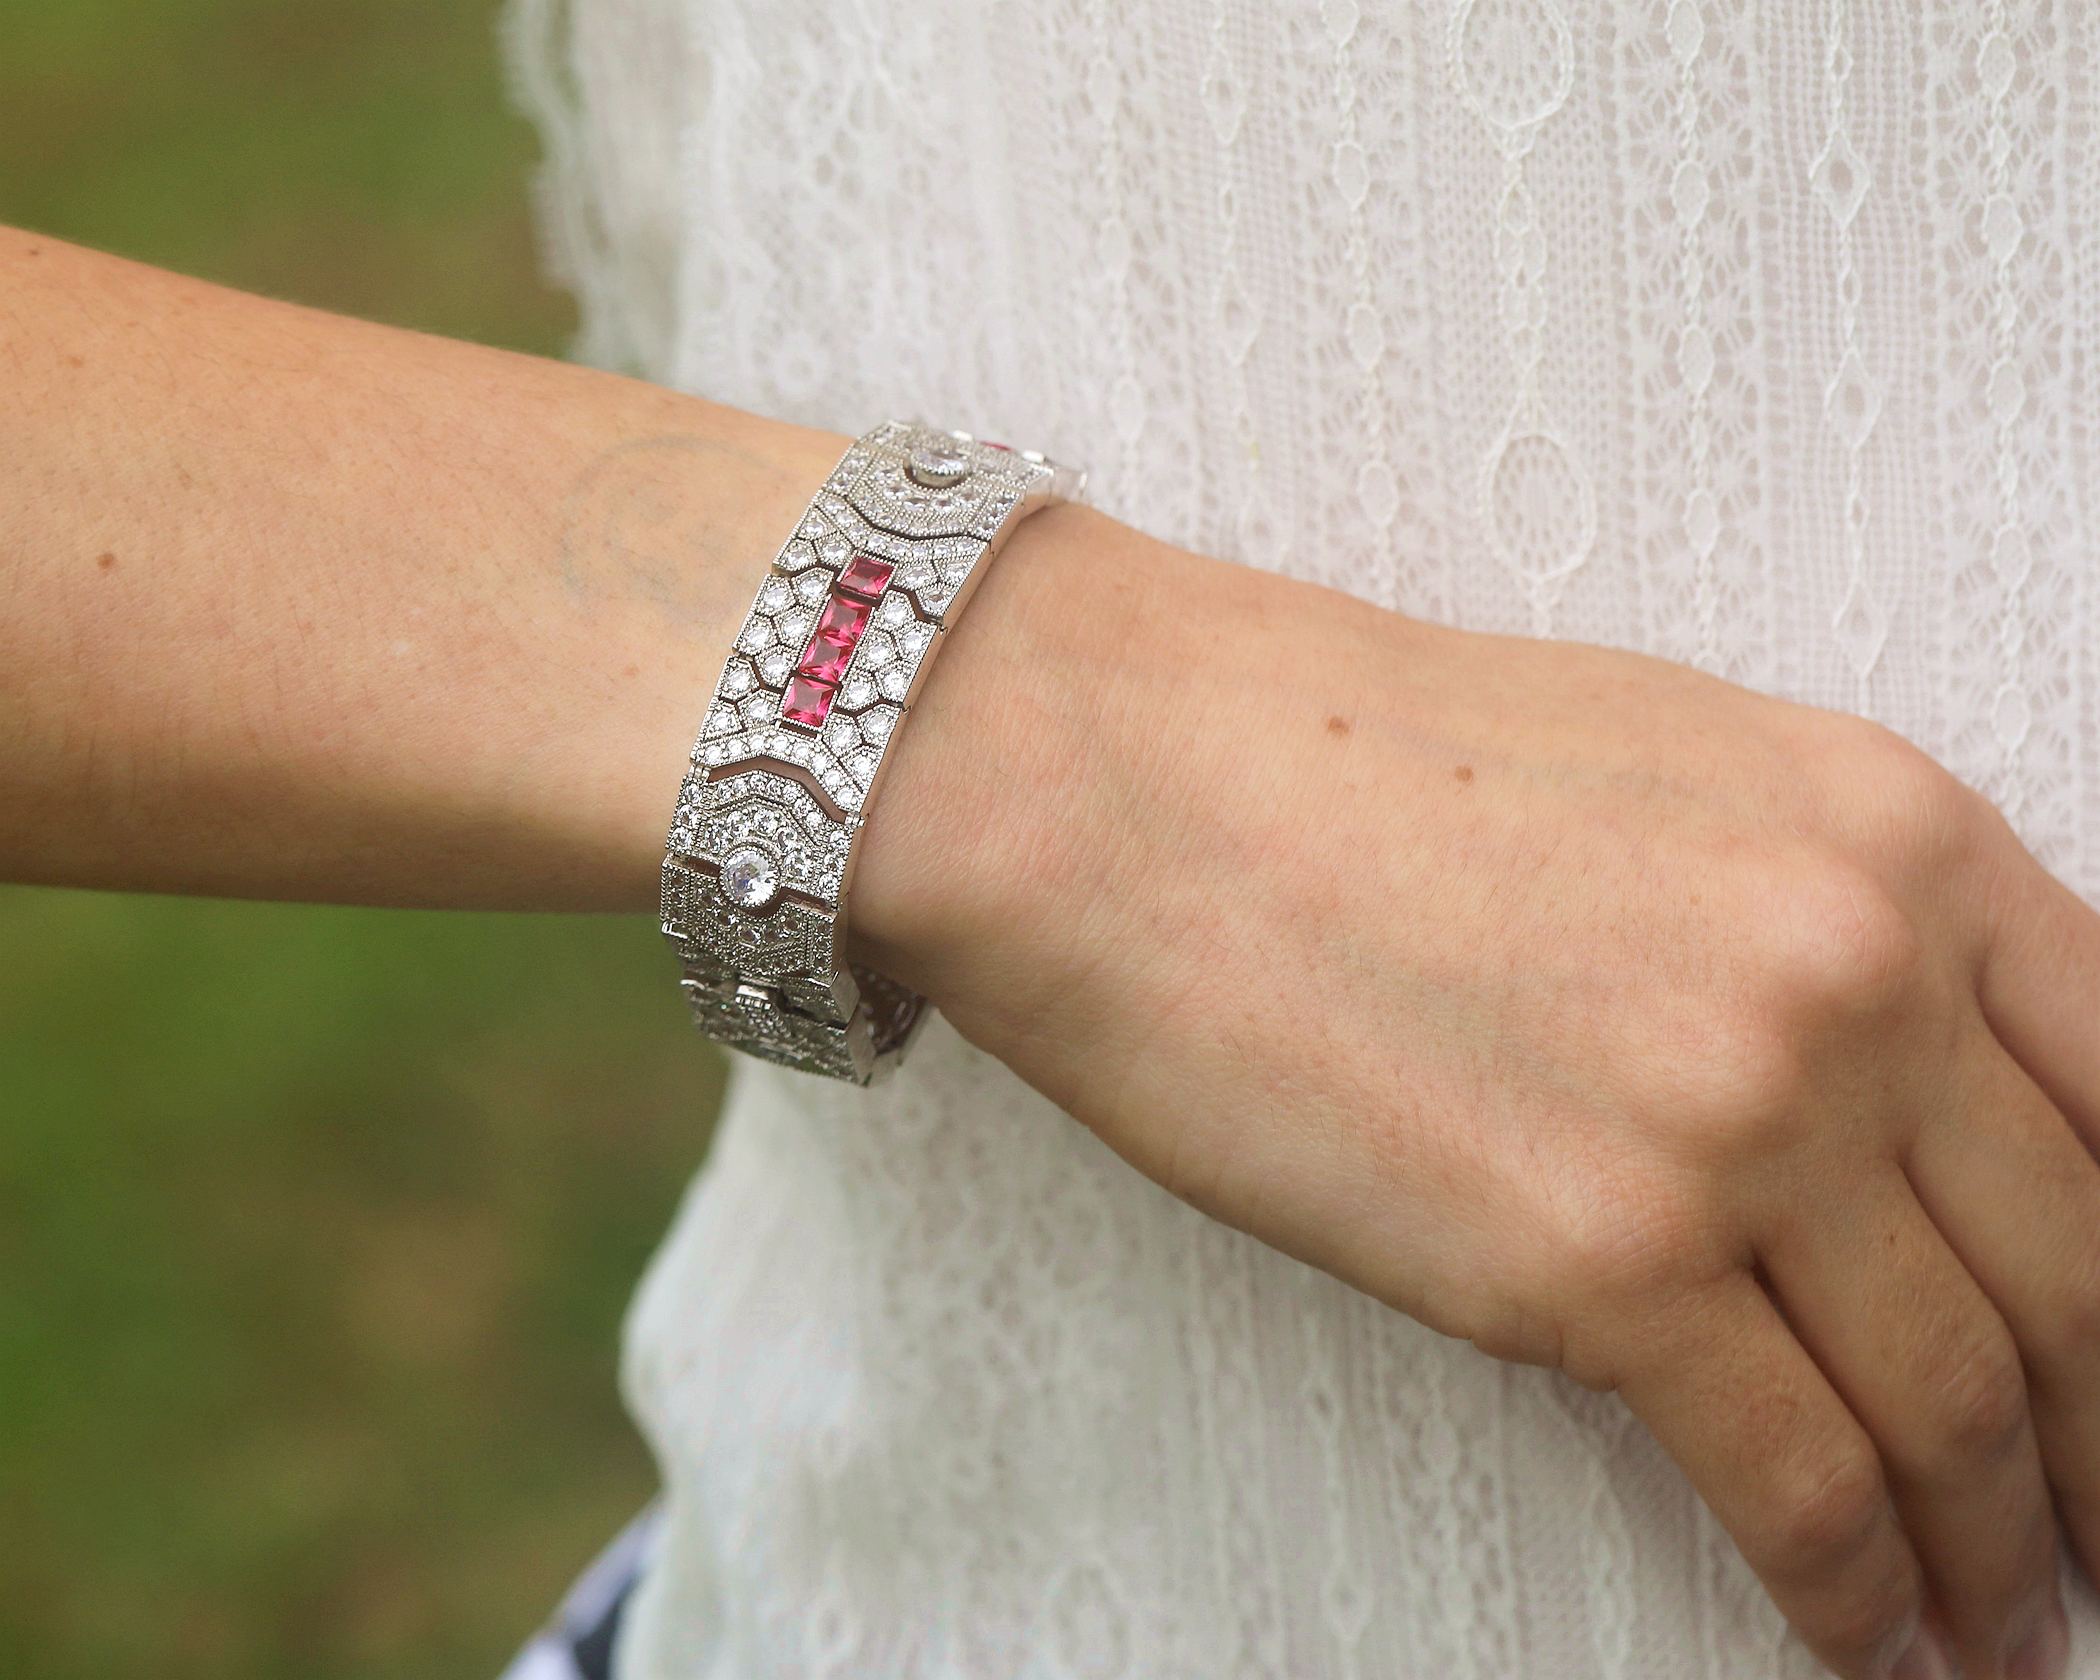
{"x": 632, "y": 526}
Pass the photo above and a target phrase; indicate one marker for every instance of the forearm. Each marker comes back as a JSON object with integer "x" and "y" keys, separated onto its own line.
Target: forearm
{"x": 298, "y": 606}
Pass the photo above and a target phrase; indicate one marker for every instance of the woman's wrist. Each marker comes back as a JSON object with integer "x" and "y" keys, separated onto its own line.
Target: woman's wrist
{"x": 961, "y": 836}
{"x": 1030, "y": 799}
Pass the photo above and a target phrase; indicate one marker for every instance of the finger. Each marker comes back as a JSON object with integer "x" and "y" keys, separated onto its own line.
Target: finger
{"x": 1919, "y": 1354}
{"x": 1788, "y": 1472}
{"x": 2018, "y": 1200}
{"x": 2040, "y": 989}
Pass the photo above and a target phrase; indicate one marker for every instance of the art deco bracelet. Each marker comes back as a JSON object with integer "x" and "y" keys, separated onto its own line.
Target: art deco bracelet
{"x": 760, "y": 857}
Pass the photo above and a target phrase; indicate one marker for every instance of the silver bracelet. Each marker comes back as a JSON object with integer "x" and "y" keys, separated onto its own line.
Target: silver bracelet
{"x": 845, "y": 627}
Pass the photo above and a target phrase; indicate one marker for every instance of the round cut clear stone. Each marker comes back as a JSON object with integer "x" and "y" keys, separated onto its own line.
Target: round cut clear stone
{"x": 750, "y": 878}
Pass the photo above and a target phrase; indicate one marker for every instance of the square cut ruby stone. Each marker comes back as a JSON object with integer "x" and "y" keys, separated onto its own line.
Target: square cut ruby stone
{"x": 805, "y": 702}
{"x": 843, "y": 621}
{"x": 865, "y": 575}
{"x": 824, "y": 661}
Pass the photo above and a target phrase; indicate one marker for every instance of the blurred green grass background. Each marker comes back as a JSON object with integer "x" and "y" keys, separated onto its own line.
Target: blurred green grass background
{"x": 316, "y": 1225}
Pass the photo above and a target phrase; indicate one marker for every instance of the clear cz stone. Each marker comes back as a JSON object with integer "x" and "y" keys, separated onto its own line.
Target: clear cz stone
{"x": 938, "y": 469}
{"x": 750, "y": 878}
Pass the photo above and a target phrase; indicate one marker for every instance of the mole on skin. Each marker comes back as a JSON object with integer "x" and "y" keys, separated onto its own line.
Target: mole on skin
{"x": 1463, "y": 773}
{"x": 1337, "y": 726}
{"x": 107, "y": 562}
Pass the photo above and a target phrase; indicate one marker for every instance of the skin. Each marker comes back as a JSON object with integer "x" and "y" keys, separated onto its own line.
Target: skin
{"x": 1724, "y": 1053}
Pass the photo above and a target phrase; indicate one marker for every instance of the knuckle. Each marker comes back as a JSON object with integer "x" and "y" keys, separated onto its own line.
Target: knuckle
{"x": 1828, "y": 1518}
{"x": 1611, "y": 1271}
{"x": 1932, "y": 805}
{"x": 1827, "y": 962}
{"x": 1866, "y": 1621}
{"x": 1740, "y": 1086}
{"x": 1753, "y": 1077}
{"x": 1916, "y": 812}
{"x": 1981, "y": 1411}
{"x": 1623, "y": 1236}
{"x": 1839, "y": 946}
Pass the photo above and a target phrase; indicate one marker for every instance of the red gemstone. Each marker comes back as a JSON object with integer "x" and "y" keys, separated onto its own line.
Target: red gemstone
{"x": 865, "y": 575}
{"x": 823, "y": 661}
{"x": 843, "y": 621}
{"x": 805, "y": 702}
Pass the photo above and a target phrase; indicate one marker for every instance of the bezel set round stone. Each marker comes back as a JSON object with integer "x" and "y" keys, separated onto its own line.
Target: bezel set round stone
{"x": 751, "y": 878}
{"x": 935, "y": 468}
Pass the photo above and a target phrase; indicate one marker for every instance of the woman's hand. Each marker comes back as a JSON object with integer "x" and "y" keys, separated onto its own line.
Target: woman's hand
{"x": 1722, "y": 1052}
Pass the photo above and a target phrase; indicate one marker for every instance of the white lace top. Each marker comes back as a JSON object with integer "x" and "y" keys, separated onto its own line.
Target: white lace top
{"x": 1759, "y": 334}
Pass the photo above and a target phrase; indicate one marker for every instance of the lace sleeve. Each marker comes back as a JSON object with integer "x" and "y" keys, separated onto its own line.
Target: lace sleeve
{"x": 609, "y": 84}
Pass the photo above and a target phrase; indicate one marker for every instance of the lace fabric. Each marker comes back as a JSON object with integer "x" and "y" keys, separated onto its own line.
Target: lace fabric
{"x": 1756, "y": 336}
